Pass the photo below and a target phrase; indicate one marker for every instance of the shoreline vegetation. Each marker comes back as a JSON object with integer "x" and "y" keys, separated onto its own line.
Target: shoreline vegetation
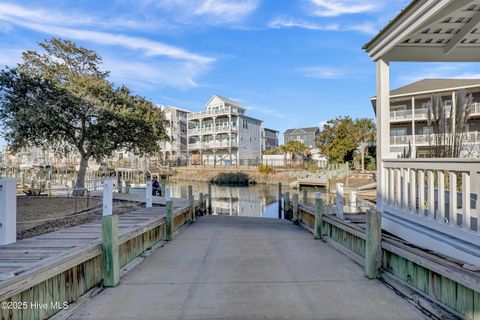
{"x": 209, "y": 174}
{"x": 238, "y": 179}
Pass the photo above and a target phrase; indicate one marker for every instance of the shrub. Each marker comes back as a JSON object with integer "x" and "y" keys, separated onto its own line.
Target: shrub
{"x": 232, "y": 179}
{"x": 311, "y": 166}
{"x": 370, "y": 163}
{"x": 265, "y": 168}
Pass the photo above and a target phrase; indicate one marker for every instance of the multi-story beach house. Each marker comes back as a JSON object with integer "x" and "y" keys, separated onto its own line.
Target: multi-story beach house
{"x": 174, "y": 149}
{"x": 305, "y": 135}
{"x": 409, "y": 130}
{"x": 269, "y": 139}
{"x": 223, "y": 135}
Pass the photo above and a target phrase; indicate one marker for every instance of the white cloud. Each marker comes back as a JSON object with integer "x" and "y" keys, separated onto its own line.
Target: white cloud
{"x": 152, "y": 75}
{"x": 150, "y": 48}
{"x": 10, "y": 12}
{"x": 214, "y": 11}
{"x": 333, "y": 8}
{"x": 280, "y": 22}
{"x": 154, "y": 62}
{"x": 268, "y": 111}
{"x": 439, "y": 71}
{"x": 322, "y": 72}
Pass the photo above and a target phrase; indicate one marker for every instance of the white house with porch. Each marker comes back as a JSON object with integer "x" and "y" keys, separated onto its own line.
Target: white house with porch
{"x": 432, "y": 203}
{"x": 223, "y": 135}
{"x": 409, "y": 128}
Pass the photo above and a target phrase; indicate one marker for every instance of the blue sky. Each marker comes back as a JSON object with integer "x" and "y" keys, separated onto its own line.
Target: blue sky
{"x": 291, "y": 63}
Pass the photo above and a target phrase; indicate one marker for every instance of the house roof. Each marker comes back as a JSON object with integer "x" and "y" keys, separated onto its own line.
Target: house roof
{"x": 433, "y": 85}
{"x": 302, "y": 130}
{"x": 390, "y": 25}
{"x": 164, "y": 107}
{"x": 430, "y": 31}
{"x": 271, "y": 130}
{"x": 228, "y": 101}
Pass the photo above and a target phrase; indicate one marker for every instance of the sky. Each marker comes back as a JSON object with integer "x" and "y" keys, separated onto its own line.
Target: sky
{"x": 290, "y": 63}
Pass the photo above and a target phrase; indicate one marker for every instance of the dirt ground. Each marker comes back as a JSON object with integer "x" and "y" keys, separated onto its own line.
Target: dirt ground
{"x": 39, "y": 215}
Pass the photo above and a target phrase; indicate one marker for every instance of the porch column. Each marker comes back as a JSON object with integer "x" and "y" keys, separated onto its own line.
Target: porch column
{"x": 383, "y": 127}
{"x": 414, "y": 140}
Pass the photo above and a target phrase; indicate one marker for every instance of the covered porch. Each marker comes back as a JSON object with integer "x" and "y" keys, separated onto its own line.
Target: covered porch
{"x": 432, "y": 203}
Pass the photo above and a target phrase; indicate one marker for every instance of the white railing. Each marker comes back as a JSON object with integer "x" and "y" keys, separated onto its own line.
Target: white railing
{"x": 212, "y": 129}
{"x": 426, "y": 139}
{"x": 400, "y": 139}
{"x": 212, "y": 112}
{"x": 213, "y": 144}
{"x": 421, "y": 113}
{"x": 440, "y": 193}
{"x": 475, "y": 108}
{"x": 400, "y": 114}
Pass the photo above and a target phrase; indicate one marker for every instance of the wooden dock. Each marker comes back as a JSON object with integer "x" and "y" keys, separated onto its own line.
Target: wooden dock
{"x": 321, "y": 182}
{"x": 62, "y": 265}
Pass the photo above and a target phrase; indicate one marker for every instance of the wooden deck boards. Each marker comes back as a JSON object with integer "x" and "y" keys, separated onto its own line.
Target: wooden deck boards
{"x": 23, "y": 259}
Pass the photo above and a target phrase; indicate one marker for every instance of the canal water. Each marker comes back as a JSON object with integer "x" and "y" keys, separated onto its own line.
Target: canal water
{"x": 252, "y": 201}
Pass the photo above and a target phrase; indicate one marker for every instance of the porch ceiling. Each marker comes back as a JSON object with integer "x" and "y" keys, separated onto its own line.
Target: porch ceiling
{"x": 431, "y": 30}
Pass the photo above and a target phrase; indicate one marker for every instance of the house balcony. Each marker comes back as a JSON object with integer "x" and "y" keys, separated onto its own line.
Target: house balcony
{"x": 213, "y": 145}
{"x": 212, "y": 112}
{"x": 421, "y": 114}
{"x": 212, "y": 129}
{"x": 427, "y": 139}
{"x": 475, "y": 109}
{"x": 400, "y": 140}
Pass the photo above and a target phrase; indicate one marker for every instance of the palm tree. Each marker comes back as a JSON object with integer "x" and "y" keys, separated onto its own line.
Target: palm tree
{"x": 365, "y": 135}
{"x": 295, "y": 148}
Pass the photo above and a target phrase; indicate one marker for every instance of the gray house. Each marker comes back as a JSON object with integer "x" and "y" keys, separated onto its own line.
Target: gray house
{"x": 305, "y": 135}
{"x": 269, "y": 139}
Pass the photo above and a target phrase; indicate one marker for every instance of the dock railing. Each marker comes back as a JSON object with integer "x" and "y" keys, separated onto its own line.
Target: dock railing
{"x": 83, "y": 262}
{"x": 444, "y": 288}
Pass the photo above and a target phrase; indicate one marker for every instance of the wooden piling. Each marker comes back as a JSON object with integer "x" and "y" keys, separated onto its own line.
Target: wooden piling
{"x": 49, "y": 188}
{"x": 209, "y": 198}
{"x": 339, "y": 201}
{"x": 287, "y": 201}
{"x": 279, "y": 200}
{"x": 111, "y": 266}
{"x": 191, "y": 201}
{"x": 148, "y": 195}
{"x": 8, "y": 211}
{"x": 202, "y": 208}
{"x": 169, "y": 227}
{"x": 318, "y": 216}
{"x": 295, "y": 219}
{"x": 373, "y": 244}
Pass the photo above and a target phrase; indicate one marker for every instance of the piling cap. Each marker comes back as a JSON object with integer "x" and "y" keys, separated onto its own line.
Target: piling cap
{"x": 318, "y": 195}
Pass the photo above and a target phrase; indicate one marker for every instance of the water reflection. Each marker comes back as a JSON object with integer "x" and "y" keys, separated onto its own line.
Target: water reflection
{"x": 253, "y": 201}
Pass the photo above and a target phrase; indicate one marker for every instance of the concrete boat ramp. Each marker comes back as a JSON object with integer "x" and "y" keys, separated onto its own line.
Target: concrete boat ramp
{"x": 246, "y": 268}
